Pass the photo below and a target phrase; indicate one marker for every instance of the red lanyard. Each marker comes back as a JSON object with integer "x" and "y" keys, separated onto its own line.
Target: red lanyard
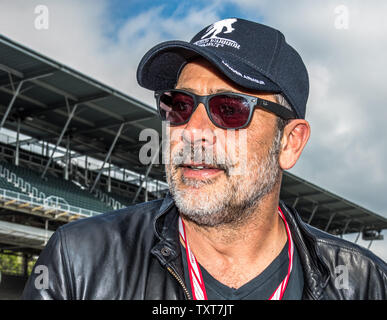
{"x": 195, "y": 275}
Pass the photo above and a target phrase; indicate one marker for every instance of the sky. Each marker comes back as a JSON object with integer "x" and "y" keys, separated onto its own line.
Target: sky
{"x": 342, "y": 44}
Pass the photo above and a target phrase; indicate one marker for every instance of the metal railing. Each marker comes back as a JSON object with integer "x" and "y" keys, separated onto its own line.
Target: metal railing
{"x": 45, "y": 204}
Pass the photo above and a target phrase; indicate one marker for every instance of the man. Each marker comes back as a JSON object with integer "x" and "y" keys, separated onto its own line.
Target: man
{"x": 222, "y": 231}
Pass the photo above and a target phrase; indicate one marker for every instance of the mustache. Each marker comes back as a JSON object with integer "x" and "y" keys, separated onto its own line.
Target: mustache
{"x": 190, "y": 153}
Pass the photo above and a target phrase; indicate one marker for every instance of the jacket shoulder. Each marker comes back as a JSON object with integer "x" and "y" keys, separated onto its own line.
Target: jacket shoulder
{"x": 355, "y": 272}
{"x": 119, "y": 228}
{"x": 141, "y": 214}
{"x": 331, "y": 242}
{"x": 80, "y": 249}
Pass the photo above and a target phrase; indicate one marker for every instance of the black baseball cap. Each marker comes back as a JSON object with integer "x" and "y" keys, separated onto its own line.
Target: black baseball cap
{"x": 251, "y": 54}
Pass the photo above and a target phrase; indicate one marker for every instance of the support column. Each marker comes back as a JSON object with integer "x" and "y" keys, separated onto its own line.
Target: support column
{"x": 358, "y": 235}
{"x": 109, "y": 182}
{"x": 107, "y": 156}
{"x": 10, "y": 105}
{"x": 295, "y": 203}
{"x": 25, "y": 265}
{"x": 146, "y": 174}
{"x": 313, "y": 213}
{"x": 59, "y": 139}
{"x": 86, "y": 171}
{"x": 329, "y": 222}
{"x": 346, "y": 226}
{"x": 70, "y": 164}
{"x": 46, "y": 229}
{"x": 146, "y": 189}
{"x": 17, "y": 147}
{"x": 66, "y": 167}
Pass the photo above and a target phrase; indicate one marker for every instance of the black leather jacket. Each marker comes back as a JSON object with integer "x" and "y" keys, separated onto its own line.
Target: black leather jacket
{"x": 134, "y": 253}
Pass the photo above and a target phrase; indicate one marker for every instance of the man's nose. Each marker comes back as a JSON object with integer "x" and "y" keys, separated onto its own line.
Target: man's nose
{"x": 199, "y": 128}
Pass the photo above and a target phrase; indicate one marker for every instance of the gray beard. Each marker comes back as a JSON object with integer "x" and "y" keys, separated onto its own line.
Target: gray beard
{"x": 231, "y": 203}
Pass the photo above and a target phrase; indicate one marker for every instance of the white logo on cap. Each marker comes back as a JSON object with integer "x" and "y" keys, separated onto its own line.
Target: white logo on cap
{"x": 217, "y": 27}
{"x": 214, "y": 30}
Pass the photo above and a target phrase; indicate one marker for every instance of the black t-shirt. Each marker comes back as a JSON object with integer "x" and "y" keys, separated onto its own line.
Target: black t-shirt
{"x": 259, "y": 288}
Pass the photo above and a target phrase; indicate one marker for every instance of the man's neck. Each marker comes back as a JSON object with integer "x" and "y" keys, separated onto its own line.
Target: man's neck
{"x": 236, "y": 254}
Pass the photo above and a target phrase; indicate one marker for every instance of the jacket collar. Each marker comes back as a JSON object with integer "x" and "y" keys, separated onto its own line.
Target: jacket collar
{"x": 316, "y": 273}
{"x": 167, "y": 250}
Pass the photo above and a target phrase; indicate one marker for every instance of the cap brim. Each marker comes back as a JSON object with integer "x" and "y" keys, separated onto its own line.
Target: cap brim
{"x": 160, "y": 67}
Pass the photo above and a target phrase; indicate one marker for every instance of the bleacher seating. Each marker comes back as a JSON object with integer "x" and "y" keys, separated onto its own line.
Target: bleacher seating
{"x": 123, "y": 200}
{"x": 51, "y": 186}
{"x": 4, "y": 184}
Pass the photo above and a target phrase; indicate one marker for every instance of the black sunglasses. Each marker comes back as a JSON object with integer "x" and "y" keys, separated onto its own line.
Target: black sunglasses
{"x": 226, "y": 110}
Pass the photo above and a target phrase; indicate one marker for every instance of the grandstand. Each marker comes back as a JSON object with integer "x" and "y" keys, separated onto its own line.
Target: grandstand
{"x": 69, "y": 149}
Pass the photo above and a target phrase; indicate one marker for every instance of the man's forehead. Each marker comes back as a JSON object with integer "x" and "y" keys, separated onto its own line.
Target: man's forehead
{"x": 200, "y": 69}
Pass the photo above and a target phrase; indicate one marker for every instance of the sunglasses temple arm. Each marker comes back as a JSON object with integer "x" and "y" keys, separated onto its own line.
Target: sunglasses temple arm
{"x": 276, "y": 108}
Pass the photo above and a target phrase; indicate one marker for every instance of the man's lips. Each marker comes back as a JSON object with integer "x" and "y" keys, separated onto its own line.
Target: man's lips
{"x": 200, "y": 170}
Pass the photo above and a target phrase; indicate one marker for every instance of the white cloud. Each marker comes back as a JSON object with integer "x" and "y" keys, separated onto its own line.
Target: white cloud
{"x": 78, "y": 36}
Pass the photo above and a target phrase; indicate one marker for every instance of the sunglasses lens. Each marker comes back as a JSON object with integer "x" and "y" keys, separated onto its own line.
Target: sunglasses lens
{"x": 229, "y": 111}
{"x": 175, "y": 107}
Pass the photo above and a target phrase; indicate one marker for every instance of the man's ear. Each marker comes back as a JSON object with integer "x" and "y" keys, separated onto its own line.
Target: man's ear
{"x": 295, "y": 136}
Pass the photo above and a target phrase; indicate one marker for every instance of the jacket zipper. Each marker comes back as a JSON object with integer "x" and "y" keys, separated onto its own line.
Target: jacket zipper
{"x": 187, "y": 294}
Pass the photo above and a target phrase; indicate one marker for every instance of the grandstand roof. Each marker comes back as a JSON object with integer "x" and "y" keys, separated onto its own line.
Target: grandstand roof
{"x": 49, "y": 90}
{"x": 328, "y": 211}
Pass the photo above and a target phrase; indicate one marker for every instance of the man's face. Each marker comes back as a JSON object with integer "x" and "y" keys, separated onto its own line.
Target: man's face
{"x": 215, "y": 195}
